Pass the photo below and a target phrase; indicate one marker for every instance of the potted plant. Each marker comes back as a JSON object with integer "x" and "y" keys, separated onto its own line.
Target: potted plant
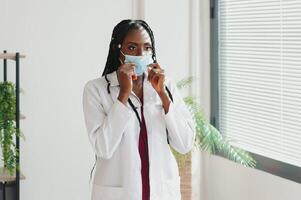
{"x": 8, "y": 133}
{"x": 208, "y": 138}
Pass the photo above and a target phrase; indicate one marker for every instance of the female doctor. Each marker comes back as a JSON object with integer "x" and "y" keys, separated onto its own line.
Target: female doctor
{"x": 132, "y": 114}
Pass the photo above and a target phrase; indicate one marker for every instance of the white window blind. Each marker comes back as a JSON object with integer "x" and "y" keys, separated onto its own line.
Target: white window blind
{"x": 260, "y": 76}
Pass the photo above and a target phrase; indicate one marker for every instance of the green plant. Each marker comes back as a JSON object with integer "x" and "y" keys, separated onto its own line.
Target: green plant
{"x": 8, "y": 129}
{"x": 208, "y": 138}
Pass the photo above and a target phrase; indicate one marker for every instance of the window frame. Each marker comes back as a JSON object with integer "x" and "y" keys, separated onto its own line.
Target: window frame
{"x": 275, "y": 167}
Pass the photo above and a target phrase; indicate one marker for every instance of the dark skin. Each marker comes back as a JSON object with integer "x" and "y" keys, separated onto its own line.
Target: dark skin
{"x": 137, "y": 43}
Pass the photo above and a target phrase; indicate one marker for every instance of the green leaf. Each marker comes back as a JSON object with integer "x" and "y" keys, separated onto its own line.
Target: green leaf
{"x": 208, "y": 138}
{"x": 8, "y": 130}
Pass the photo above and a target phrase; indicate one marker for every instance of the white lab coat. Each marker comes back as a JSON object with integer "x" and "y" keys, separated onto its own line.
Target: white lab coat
{"x": 113, "y": 131}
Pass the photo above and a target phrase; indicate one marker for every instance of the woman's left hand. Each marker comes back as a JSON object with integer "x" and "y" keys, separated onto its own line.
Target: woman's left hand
{"x": 156, "y": 77}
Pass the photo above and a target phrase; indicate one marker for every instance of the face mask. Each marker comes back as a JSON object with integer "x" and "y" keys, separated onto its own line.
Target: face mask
{"x": 141, "y": 62}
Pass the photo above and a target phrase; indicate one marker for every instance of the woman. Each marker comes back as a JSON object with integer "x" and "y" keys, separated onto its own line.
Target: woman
{"x": 132, "y": 114}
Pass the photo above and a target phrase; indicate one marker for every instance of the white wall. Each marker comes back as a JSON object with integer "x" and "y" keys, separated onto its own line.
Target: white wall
{"x": 229, "y": 181}
{"x": 170, "y": 22}
{"x": 66, "y": 43}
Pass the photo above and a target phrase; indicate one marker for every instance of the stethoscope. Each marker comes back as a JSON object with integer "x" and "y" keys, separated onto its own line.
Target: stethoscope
{"x": 131, "y": 103}
{"x": 134, "y": 109}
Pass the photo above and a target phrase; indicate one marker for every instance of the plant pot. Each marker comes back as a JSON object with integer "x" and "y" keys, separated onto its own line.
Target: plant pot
{"x": 185, "y": 173}
{"x": 8, "y": 191}
{"x": 8, "y": 187}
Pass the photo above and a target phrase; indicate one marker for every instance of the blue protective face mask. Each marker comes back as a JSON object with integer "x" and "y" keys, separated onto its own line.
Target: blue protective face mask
{"x": 141, "y": 62}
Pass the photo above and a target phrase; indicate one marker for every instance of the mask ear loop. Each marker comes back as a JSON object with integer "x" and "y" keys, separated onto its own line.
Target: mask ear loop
{"x": 119, "y": 47}
{"x": 121, "y": 61}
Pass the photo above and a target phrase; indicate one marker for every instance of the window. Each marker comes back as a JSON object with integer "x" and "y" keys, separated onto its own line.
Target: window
{"x": 256, "y": 79}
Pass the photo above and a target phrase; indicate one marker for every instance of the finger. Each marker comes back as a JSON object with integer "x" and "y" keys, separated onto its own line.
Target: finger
{"x": 125, "y": 69}
{"x": 156, "y": 68}
{"x": 149, "y": 68}
{"x": 129, "y": 72}
{"x": 154, "y": 65}
{"x": 161, "y": 71}
{"x": 153, "y": 69}
{"x": 158, "y": 71}
{"x": 128, "y": 68}
{"x": 132, "y": 74}
{"x": 150, "y": 75}
{"x": 159, "y": 75}
{"x": 161, "y": 79}
{"x": 155, "y": 78}
{"x": 134, "y": 77}
{"x": 127, "y": 65}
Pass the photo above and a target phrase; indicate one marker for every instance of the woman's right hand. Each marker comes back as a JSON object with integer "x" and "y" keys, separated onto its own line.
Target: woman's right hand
{"x": 125, "y": 75}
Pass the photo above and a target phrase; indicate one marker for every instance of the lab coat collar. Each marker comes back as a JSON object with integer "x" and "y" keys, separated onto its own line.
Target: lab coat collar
{"x": 112, "y": 77}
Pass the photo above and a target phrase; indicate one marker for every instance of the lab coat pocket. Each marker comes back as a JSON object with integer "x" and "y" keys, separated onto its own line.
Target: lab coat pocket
{"x": 100, "y": 192}
{"x": 171, "y": 188}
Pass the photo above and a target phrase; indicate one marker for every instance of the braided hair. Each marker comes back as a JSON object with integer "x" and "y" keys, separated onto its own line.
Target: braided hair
{"x": 120, "y": 31}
